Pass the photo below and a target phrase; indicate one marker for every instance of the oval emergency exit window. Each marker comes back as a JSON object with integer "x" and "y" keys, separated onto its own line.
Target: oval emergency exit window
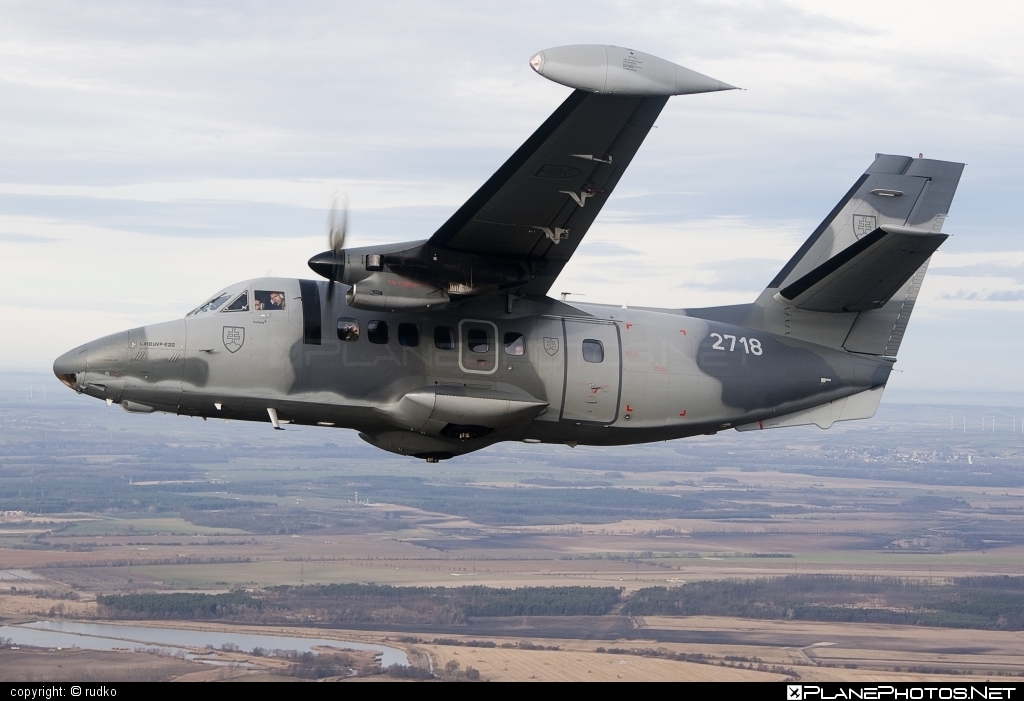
{"x": 593, "y": 351}
{"x": 478, "y": 343}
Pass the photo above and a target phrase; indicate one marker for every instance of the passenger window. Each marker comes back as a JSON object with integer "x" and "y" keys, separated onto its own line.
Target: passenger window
{"x": 593, "y": 351}
{"x": 241, "y": 303}
{"x": 265, "y": 299}
{"x": 477, "y": 341}
{"x": 377, "y": 331}
{"x": 408, "y": 335}
{"x": 210, "y": 306}
{"x": 348, "y": 329}
{"x": 515, "y": 344}
{"x": 444, "y": 338}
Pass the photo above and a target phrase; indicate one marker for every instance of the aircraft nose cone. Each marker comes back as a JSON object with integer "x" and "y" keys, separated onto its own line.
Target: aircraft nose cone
{"x": 70, "y": 366}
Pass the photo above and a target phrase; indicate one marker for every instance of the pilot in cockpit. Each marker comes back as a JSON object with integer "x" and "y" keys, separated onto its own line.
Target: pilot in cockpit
{"x": 268, "y": 300}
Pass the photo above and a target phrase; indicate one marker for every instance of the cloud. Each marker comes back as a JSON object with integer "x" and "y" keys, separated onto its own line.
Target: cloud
{"x": 986, "y": 296}
{"x": 12, "y": 237}
{"x": 1006, "y": 268}
{"x": 682, "y": 264}
{"x": 751, "y": 274}
{"x": 176, "y": 148}
{"x": 210, "y": 218}
{"x": 605, "y": 249}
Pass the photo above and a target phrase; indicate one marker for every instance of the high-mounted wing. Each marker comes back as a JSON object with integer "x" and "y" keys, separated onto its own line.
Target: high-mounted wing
{"x": 516, "y": 233}
{"x": 537, "y": 207}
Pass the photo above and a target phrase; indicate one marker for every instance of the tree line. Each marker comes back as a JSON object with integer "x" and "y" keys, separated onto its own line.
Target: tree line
{"x": 989, "y": 603}
{"x": 365, "y": 603}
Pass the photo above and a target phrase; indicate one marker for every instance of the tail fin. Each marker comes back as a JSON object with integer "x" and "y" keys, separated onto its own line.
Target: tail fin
{"x": 854, "y": 282}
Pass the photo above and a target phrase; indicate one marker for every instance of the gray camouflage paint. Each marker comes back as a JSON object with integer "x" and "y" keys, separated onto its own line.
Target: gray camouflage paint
{"x": 664, "y": 374}
{"x": 667, "y": 380}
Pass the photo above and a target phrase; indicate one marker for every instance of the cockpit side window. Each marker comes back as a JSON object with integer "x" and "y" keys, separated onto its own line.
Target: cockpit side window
{"x": 210, "y": 306}
{"x": 268, "y": 299}
{"x": 241, "y": 303}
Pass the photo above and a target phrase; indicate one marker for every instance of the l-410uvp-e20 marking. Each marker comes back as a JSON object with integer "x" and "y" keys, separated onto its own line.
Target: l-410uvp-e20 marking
{"x": 442, "y": 346}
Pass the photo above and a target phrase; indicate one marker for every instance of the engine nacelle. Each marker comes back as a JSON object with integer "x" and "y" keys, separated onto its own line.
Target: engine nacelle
{"x": 384, "y": 290}
{"x": 413, "y": 276}
{"x": 353, "y": 265}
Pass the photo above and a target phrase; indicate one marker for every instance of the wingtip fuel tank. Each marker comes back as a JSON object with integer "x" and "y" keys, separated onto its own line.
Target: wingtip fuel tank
{"x": 613, "y": 70}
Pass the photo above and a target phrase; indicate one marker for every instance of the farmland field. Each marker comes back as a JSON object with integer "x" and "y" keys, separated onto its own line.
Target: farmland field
{"x": 98, "y": 503}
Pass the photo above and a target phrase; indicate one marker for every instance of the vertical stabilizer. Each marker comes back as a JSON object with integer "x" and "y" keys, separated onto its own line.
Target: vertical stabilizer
{"x": 855, "y": 280}
{"x": 893, "y": 191}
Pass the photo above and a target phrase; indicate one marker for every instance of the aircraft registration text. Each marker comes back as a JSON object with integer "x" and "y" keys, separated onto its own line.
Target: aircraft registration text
{"x": 752, "y": 345}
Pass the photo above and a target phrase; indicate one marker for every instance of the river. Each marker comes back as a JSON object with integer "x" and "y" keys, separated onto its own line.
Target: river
{"x": 108, "y": 636}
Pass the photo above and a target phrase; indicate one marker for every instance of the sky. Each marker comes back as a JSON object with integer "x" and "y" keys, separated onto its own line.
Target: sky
{"x": 153, "y": 153}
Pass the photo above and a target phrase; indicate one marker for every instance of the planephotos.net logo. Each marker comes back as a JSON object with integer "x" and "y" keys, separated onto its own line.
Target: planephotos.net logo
{"x": 881, "y": 692}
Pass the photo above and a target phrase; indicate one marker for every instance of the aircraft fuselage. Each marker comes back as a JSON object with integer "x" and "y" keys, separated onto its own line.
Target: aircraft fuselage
{"x": 454, "y": 380}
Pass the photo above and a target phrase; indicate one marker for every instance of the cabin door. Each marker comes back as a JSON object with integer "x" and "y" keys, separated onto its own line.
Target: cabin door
{"x": 593, "y": 371}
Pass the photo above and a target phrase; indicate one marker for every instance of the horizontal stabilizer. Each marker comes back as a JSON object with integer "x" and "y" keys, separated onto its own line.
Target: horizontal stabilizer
{"x": 866, "y": 274}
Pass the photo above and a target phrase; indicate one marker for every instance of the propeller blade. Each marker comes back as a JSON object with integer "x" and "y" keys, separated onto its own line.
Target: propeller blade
{"x": 336, "y": 229}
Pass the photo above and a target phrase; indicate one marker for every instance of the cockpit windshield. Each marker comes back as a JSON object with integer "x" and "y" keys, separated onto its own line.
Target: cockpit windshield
{"x": 210, "y": 306}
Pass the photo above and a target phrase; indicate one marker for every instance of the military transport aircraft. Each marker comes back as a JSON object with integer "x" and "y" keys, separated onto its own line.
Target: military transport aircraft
{"x": 439, "y": 347}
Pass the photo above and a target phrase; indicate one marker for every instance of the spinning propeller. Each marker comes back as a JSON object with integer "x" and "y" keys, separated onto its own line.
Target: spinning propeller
{"x": 336, "y": 240}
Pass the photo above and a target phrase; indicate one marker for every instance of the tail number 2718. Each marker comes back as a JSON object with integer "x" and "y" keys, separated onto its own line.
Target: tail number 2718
{"x": 751, "y": 345}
